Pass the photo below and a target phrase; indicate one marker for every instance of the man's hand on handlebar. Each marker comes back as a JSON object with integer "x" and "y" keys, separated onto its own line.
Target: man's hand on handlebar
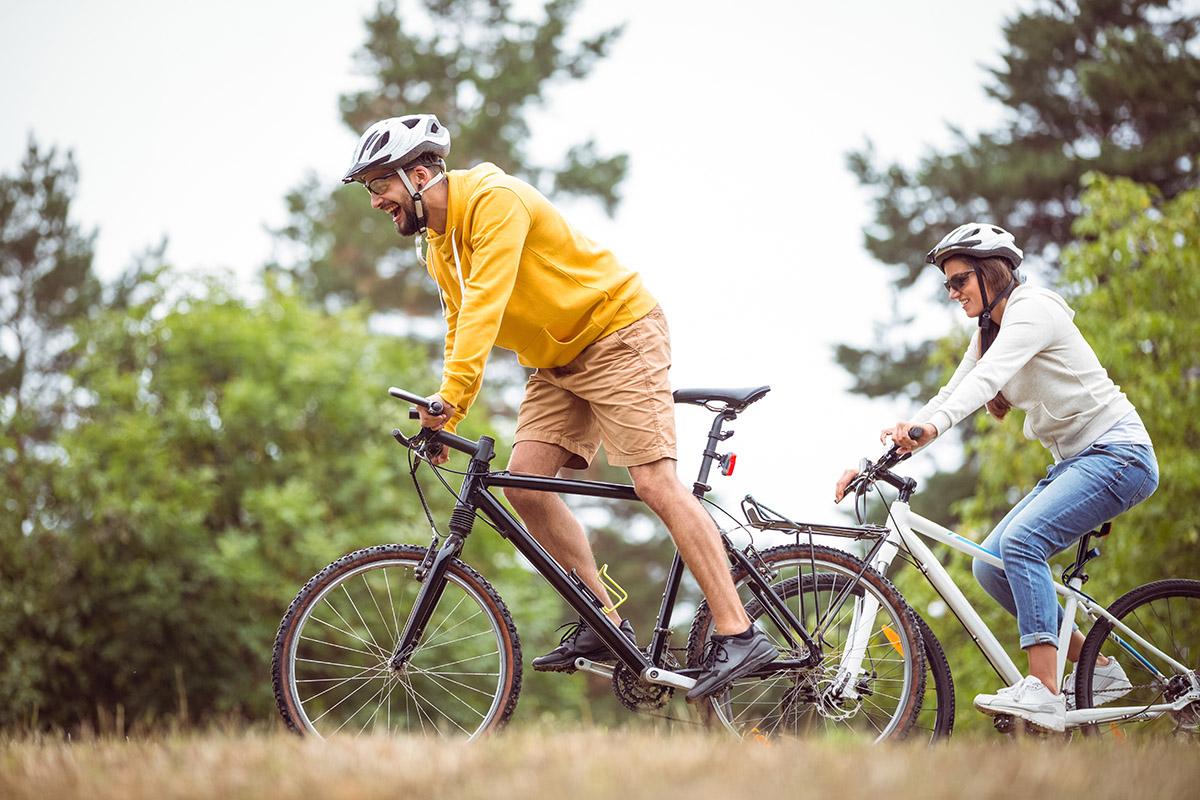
{"x": 436, "y": 422}
{"x": 901, "y": 436}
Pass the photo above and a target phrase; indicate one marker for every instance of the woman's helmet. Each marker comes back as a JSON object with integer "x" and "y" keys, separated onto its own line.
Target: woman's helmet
{"x": 397, "y": 142}
{"x": 979, "y": 239}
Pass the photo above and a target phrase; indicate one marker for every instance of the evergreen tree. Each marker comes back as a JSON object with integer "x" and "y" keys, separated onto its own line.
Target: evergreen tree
{"x": 1111, "y": 86}
{"x": 481, "y": 68}
{"x": 46, "y": 284}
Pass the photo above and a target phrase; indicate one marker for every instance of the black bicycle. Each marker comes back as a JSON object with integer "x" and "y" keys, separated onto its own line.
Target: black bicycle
{"x": 402, "y": 638}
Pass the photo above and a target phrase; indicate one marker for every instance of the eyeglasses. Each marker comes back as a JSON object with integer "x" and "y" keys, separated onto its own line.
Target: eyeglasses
{"x": 956, "y": 283}
{"x": 379, "y": 185}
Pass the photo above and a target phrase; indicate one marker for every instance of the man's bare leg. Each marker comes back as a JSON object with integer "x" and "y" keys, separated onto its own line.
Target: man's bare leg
{"x": 696, "y": 536}
{"x": 549, "y": 519}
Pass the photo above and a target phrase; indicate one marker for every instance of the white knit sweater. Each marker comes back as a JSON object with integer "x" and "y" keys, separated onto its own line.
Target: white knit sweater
{"x": 1045, "y": 367}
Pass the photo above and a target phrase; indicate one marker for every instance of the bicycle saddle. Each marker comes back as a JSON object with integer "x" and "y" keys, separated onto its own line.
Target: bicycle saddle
{"x": 736, "y": 399}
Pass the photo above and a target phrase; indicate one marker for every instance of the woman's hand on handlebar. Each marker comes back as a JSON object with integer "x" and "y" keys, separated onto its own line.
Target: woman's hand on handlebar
{"x": 843, "y": 483}
{"x": 901, "y": 436}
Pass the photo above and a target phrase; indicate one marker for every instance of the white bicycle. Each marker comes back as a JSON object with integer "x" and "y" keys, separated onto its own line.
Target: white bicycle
{"x": 1154, "y": 629}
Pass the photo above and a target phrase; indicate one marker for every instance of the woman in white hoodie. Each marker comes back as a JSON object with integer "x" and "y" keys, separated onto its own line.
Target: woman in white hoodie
{"x": 1028, "y": 353}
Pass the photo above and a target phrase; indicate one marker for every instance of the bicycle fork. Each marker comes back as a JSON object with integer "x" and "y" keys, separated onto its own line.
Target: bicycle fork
{"x": 862, "y": 625}
{"x": 432, "y": 587}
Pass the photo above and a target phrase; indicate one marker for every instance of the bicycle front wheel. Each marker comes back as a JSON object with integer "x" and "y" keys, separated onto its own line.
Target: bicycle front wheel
{"x": 331, "y": 665}
{"x": 1167, "y": 615}
{"x": 871, "y": 679}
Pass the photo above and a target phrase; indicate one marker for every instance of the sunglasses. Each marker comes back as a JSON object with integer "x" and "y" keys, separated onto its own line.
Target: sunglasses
{"x": 956, "y": 283}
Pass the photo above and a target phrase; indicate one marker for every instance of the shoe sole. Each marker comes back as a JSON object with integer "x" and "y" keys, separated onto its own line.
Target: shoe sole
{"x": 1044, "y": 720}
{"x": 765, "y": 656}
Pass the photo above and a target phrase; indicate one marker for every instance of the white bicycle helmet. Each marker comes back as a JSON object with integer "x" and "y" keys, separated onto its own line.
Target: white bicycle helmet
{"x": 396, "y": 142}
{"x": 979, "y": 239}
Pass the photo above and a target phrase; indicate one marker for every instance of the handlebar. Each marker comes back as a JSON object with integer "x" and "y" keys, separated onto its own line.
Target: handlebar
{"x": 428, "y": 441}
{"x": 880, "y": 470}
{"x": 435, "y": 408}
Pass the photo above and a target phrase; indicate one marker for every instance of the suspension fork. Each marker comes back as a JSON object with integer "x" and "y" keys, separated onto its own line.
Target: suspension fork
{"x": 427, "y": 600}
{"x": 862, "y": 622}
{"x": 434, "y": 581}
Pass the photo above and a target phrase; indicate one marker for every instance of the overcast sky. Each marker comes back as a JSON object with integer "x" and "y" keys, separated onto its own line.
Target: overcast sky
{"x": 192, "y": 120}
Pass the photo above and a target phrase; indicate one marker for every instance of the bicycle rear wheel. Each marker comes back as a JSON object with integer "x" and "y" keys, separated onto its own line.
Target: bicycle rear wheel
{"x": 822, "y": 588}
{"x": 331, "y": 667}
{"x": 1167, "y": 614}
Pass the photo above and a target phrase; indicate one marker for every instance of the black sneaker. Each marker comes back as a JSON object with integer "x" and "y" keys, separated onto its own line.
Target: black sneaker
{"x": 579, "y": 641}
{"x": 728, "y": 658}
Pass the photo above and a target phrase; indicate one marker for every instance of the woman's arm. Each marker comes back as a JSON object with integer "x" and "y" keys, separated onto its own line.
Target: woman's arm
{"x": 1028, "y": 328}
{"x": 965, "y": 366}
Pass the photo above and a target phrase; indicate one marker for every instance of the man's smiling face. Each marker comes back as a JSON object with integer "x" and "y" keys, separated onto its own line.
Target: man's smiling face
{"x": 389, "y": 196}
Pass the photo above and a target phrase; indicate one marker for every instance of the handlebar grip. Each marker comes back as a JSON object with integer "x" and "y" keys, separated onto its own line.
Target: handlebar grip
{"x": 435, "y": 409}
{"x": 915, "y": 433}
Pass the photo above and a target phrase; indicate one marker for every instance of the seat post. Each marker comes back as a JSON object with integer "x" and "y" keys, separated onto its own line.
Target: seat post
{"x": 715, "y": 435}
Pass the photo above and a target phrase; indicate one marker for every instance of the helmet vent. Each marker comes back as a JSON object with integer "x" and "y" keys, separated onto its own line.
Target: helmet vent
{"x": 382, "y": 141}
{"x": 999, "y": 231}
{"x": 433, "y": 127}
{"x": 411, "y": 122}
{"x": 974, "y": 232}
{"x": 367, "y": 144}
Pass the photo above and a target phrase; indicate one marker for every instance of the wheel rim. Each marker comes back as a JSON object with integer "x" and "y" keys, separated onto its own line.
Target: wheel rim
{"x": 340, "y": 680}
{"x": 804, "y": 703}
{"x": 1171, "y": 623}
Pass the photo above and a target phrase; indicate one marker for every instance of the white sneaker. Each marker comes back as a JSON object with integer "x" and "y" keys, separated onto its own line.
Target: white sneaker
{"x": 1109, "y": 682}
{"x": 1029, "y": 700}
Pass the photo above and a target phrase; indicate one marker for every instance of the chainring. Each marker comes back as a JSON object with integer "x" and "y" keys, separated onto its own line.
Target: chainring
{"x": 639, "y": 695}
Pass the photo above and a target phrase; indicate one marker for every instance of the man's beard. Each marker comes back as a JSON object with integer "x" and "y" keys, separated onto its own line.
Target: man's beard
{"x": 406, "y": 224}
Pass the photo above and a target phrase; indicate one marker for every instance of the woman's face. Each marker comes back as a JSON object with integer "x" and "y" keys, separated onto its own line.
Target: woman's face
{"x": 963, "y": 289}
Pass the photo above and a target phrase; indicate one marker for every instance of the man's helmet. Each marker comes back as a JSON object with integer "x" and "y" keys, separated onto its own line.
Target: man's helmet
{"x": 397, "y": 142}
{"x": 979, "y": 239}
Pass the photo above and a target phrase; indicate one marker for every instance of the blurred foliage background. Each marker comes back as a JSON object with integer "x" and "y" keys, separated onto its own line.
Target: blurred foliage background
{"x": 178, "y": 458}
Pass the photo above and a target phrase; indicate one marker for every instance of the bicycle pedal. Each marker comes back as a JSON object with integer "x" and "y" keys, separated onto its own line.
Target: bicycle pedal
{"x": 594, "y": 667}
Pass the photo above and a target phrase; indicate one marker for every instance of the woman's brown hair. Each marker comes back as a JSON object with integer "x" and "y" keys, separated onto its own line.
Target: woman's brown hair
{"x": 997, "y": 273}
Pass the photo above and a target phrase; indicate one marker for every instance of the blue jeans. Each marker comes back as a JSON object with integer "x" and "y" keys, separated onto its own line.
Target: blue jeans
{"x": 1077, "y": 495}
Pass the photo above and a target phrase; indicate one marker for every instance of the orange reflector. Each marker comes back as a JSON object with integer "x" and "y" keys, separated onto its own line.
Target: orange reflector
{"x": 893, "y": 639}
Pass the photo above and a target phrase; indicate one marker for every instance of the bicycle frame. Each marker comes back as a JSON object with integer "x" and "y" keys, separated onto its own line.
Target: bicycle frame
{"x": 474, "y": 495}
{"x": 907, "y": 529}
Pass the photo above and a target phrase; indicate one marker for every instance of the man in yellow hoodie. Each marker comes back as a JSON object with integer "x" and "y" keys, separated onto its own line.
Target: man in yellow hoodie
{"x": 511, "y": 272}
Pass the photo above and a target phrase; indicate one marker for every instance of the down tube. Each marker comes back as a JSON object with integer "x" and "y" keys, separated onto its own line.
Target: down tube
{"x": 949, "y": 591}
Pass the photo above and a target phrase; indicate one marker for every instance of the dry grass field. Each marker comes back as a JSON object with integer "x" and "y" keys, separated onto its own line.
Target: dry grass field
{"x": 585, "y": 764}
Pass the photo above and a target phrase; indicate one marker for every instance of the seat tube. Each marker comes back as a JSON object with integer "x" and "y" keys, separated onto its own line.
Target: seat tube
{"x": 1068, "y": 625}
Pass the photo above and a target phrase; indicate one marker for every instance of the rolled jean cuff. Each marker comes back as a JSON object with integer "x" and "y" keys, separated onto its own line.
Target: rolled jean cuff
{"x": 1030, "y": 639}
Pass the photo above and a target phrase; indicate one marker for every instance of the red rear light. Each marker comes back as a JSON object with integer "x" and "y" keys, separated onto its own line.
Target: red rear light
{"x": 728, "y": 463}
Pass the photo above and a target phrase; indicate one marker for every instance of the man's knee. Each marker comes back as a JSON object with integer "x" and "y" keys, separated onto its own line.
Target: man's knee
{"x": 526, "y": 501}
{"x": 656, "y": 483}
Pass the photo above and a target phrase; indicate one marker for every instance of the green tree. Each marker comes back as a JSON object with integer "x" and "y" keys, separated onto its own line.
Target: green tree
{"x": 1111, "y": 86}
{"x": 46, "y": 284}
{"x": 221, "y": 454}
{"x": 1133, "y": 278}
{"x": 481, "y": 68}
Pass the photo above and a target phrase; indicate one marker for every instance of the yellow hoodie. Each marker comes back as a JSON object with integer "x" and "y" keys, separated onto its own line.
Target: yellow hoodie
{"x": 513, "y": 273}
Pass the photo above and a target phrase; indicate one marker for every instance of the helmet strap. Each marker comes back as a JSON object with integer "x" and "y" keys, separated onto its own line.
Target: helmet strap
{"x": 416, "y": 195}
{"x": 989, "y": 329}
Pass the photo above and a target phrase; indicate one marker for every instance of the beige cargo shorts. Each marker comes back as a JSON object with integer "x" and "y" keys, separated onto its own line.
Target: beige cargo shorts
{"x": 616, "y": 391}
